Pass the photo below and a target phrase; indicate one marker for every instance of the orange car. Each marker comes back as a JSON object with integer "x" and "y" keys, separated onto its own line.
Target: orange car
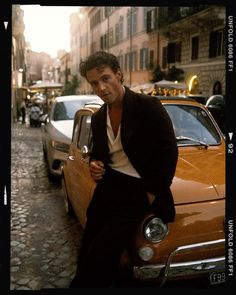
{"x": 194, "y": 245}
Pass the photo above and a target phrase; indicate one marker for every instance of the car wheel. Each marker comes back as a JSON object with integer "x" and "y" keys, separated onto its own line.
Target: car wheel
{"x": 67, "y": 203}
{"x": 53, "y": 178}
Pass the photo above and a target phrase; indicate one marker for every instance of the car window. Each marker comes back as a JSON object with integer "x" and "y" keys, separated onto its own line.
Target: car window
{"x": 193, "y": 122}
{"x": 75, "y": 134}
{"x": 85, "y": 134}
{"x": 66, "y": 110}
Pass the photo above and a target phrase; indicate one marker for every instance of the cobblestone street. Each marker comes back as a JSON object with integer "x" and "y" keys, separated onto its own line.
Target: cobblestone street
{"x": 44, "y": 240}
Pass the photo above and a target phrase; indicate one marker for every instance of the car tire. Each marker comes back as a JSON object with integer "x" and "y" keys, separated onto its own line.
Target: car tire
{"x": 67, "y": 203}
{"x": 51, "y": 176}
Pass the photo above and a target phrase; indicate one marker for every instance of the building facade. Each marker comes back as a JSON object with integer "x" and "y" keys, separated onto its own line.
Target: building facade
{"x": 18, "y": 66}
{"x": 196, "y": 44}
{"x": 189, "y": 38}
{"x": 38, "y": 65}
{"x": 119, "y": 30}
{"x": 65, "y": 68}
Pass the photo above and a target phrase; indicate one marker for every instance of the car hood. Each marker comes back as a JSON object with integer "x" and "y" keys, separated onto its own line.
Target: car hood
{"x": 64, "y": 128}
{"x": 200, "y": 176}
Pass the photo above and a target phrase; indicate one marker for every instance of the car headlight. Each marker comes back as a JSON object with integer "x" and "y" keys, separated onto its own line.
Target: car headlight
{"x": 61, "y": 146}
{"x": 155, "y": 230}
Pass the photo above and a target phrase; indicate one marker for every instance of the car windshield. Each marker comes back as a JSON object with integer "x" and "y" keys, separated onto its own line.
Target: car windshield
{"x": 66, "y": 110}
{"x": 192, "y": 125}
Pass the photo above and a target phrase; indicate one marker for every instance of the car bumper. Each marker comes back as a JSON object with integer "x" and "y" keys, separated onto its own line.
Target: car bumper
{"x": 181, "y": 270}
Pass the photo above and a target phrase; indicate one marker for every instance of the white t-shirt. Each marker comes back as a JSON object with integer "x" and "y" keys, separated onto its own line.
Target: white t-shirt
{"x": 120, "y": 161}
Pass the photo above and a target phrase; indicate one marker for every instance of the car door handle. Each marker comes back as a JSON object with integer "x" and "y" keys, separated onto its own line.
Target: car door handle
{"x": 71, "y": 158}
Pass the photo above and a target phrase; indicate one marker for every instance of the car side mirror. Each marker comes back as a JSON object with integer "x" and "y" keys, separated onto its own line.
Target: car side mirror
{"x": 44, "y": 119}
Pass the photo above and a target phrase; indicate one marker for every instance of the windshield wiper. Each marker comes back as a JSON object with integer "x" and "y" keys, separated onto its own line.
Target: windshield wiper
{"x": 179, "y": 138}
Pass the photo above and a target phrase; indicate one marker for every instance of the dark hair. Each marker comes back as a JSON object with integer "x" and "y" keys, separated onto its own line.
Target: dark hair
{"x": 98, "y": 60}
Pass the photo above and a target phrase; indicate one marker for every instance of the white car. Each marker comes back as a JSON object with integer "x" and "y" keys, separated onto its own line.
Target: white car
{"x": 57, "y": 127}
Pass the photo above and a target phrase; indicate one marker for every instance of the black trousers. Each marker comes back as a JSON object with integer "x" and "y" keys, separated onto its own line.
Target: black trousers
{"x": 23, "y": 115}
{"x": 118, "y": 204}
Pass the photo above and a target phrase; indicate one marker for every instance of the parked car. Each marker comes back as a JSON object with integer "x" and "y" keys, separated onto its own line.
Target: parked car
{"x": 216, "y": 105}
{"x": 56, "y": 129}
{"x": 193, "y": 246}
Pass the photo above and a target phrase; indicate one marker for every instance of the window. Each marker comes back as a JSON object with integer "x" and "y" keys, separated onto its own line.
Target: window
{"x": 110, "y": 37}
{"x": 66, "y": 110}
{"x": 151, "y": 20}
{"x": 103, "y": 42}
{"x": 96, "y": 19}
{"x": 217, "y": 43}
{"x": 145, "y": 10}
{"x": 184, "y": 11}
{"x": 117, "y": 33}
{"x": 109, "y": 10}
{"x": 174, "y": 52}
{"x": 85, "y": 135}
{"x": 143, "y": 58}
{"x": 194, "y": 48}
{"x": 75, "y": 134}
{"x": 121, "y": 61}
{"x": 131, "y": 22}
{"x": 121, "y": 24}
{"x": 164, "y": 57}
{"x": 151, "y": 60}
{"x": 119, "y": 30}
{"x": 130, "y": 61}
{"x": 193, "y": 122}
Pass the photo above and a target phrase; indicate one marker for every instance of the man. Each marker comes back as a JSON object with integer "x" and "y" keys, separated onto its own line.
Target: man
{"x": 23, "y": 110}
{"x": 134, "y": 153}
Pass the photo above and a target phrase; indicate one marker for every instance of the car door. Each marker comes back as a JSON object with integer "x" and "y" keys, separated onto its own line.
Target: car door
{"x": 46, "y": 129}
{"x": 81, "y": 183}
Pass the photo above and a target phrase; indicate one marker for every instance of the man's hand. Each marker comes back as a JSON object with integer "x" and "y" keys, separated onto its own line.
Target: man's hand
{"x": 96, "y": 169}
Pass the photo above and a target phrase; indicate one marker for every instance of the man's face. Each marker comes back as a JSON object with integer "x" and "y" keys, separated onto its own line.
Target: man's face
{"x": 106, "y": 84}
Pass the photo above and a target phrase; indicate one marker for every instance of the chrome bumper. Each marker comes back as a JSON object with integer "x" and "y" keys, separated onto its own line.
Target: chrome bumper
{"x": 170, "y": 270}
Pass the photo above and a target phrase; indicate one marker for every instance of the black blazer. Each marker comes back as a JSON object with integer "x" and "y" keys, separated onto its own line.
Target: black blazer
{"x": 147, "y": 137}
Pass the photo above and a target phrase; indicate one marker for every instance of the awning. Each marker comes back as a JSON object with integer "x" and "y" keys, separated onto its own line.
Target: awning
{"x": 147, "y": 87}
{"x": 46, "y": 85}
{"x": 170, "y": 85}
